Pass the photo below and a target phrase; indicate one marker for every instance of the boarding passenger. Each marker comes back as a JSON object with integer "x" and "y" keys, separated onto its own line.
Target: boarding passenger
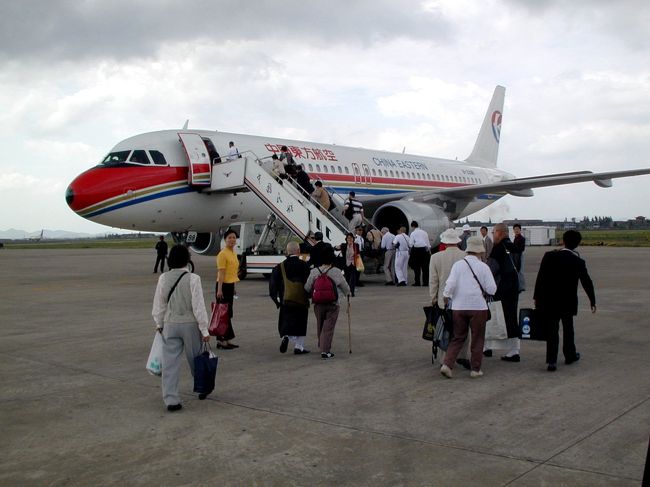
{"x": 321, "y": 195}
{"x": 326, "y": 296}
{"x": 233, "y": 152}
{"x": 420, "y": 254}
{"x": 302, "y": 178}
{"x": 350, "y": 253}
{"x": 439, "y": 269}
{"x": 401, "y": 244}
{"x": 179, "y": 314}
{"x": 373, "y": 250}
{"x": 389, "y": 256}
{"x": 286, "y": 289}
{"x": 290, "y": 166}
{"x": 361, "y": 243}
{"x": 487, "y": 243}
{"x": 278, "y": 169}
{"x": 317, "y": 250}
{"x": 468, "y": 285}
{"x": 467, "y": 232}
{"x": 519, "y": 243}
{"x": 505, "y": 274}
{"x": 161, "y": 255}
{"x": 353, "y": 211}
{"x": 227, "y": 276}
{"x": 556, "y": 297}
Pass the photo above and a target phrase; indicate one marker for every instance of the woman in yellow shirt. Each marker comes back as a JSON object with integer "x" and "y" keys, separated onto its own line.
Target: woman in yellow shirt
{"x": 227, "y": 276}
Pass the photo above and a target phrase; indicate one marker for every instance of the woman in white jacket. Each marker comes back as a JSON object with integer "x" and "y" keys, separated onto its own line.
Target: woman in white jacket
{"x": 179, "y": 313}
{"x": 468, "y": 284}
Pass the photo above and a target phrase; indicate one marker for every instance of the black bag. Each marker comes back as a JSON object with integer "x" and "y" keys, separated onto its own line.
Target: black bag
{"x": 205, "y": 370}
{"x": 349, "y": 211}
{"x": 530, "y": 325}
{"x": 429, "y": 322}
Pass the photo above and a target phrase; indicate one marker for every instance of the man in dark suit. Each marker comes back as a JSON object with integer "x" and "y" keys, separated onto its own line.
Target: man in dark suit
{"x": 161, "y": 255}
{"x": 556, "y": 296}
{"x": 287, "y": 290}
{"x": 316, "y": 252}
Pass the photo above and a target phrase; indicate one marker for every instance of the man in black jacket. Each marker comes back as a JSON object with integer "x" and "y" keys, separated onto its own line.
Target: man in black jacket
{"x": 556, "y": 296}
{"x": 286, "y": 289}
{"x": 161, "y": 255}
{"x": 316, "y": 252}
{"x": 302, "y": 178}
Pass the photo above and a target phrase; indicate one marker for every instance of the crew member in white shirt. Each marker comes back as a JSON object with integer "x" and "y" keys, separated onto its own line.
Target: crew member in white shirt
{"x": 389, "y": 255}
{"x": 401, "y": 243}
{"x": 420, "y": 254}
{"x": 468, "y": 284}
{"x": 233, "y": 152}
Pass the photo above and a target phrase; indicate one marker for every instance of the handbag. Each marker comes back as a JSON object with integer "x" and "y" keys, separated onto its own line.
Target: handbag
{"x": 205, "y": 370}
{"x": 444, "y": 329}
{"x": 358, "y": 262}
{"x": 531, "y": 326}
{"x": 495, "y": 327}
{"x": 219, "y": 319}
{"x": 429, "y": 322}
{"x": 154, "y": 362}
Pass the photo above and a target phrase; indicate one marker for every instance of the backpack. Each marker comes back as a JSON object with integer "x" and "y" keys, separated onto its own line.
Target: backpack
{"x": 324, "y": 290}
{"x": 349, "y": 211}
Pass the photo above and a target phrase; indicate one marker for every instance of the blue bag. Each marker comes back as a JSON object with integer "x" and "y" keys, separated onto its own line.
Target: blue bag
{"x": 205, "y": 370}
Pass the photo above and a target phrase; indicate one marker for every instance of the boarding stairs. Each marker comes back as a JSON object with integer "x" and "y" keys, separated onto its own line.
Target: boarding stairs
{"x": 303, "y": 215}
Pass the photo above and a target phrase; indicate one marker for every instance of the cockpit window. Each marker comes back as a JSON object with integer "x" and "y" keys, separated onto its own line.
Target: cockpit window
{"x": 114, "y": 157}
{"x": 139, "y": 157}
{"x": 157, "y": 157}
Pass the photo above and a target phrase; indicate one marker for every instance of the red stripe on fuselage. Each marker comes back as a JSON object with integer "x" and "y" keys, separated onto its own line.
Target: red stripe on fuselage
{"x": 101, "y": 183}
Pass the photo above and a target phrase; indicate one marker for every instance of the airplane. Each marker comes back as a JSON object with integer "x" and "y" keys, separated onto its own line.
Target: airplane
{"x": 182, "y": 181}
{"x": 36, "y": 238}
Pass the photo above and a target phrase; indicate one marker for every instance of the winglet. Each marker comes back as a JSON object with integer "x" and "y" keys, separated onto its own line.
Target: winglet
{"x": 187, "y": 122}
{"x": 486, "y": 148}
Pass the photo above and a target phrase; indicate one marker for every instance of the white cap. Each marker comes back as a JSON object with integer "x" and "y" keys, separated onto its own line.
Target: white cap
{"x": 466, "y": 228}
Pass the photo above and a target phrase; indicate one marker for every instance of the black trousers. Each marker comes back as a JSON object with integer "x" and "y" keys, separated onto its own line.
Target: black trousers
{"x": 160, "y": 259}
{"x": 420, "y": 264}
{"x": 228, "y": 290}
{"x": 350, "y": 272}
{"x": 552, "y": 324}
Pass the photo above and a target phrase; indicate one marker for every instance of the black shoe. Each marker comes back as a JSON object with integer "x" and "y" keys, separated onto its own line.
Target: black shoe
{"x": 326, "y": 355}
{"x": 487, "y": 353}
{"x": 228, "y": 346}
{"x": 389, "y": 284}
{"x": 202, "y": 396}
{"x": 284, "y": 344}
{"x": 401, "y": 283}
{"x": 574, "y": 359}
{"x": 551, "y": 367}
{"x": 174, "y": 407}
{"x": 512, "y": 358}
{"x": 464, "y": 362}
{"x": 300, "y": 351}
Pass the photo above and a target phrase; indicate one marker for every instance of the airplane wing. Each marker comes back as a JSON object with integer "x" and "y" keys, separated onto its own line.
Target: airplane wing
{"x": 524, "y": 186}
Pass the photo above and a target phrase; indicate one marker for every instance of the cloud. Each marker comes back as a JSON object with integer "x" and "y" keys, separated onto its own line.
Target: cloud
{"x": 26, "y": 183}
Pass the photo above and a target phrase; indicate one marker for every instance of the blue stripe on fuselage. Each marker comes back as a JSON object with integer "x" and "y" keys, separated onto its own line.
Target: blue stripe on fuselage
{"x": 135, "y": 201}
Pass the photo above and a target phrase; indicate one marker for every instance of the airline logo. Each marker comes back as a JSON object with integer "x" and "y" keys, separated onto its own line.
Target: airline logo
{"x": 496, "y": 125}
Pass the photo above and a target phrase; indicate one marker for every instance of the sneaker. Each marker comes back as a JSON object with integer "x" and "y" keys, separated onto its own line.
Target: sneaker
{"x": 326, "y": 355}
{"x": 446, "y": 371}
{"x": 174, "y": 407}
{"x": 284, "y": 344}
{"x": 475, "y": 374}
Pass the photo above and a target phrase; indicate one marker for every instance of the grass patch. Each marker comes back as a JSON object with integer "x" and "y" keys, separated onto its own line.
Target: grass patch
{"x": 613, "y": 238}
{"x": 140, "y": 243}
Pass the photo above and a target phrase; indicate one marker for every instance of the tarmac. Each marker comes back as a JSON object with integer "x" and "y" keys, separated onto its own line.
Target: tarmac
{"x": 77, "y": 406}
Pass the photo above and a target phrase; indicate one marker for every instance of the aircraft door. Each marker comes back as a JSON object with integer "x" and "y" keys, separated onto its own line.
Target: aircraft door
{"x": 357, "y": 173}
{"x": 198, "y": 159}
{"x": 366, "y": 174}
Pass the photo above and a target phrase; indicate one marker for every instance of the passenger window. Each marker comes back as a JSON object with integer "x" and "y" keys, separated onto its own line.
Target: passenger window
{"x": 391, "y": 173}
{"x": 324, "y": 168}
{"x": 340, "y": 170}
{"x": 157, "y": 157}
{"x": 318, "y": 167}
{"x": 139, "y": 157}
{"x": 332, "y": 169}
{"x": 374, "y": 173}
{"x": 347, "y": 171}
{"x": 311, "y": 168}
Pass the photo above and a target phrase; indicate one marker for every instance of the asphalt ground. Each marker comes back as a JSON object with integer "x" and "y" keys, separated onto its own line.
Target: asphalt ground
{"x": 78, "y": 408}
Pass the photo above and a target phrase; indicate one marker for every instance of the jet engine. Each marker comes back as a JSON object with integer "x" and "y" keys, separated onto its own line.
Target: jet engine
{"x": 206, "y": 244}
{"x": 432, "y": 219}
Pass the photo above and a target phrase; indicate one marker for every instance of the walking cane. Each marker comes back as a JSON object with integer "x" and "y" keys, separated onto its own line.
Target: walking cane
{"x": 349, "y": 327}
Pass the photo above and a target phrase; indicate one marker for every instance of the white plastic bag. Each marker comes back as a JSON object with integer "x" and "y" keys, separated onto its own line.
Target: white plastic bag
{"x": 154, "y": 362}
{"x": 495, "y": 328}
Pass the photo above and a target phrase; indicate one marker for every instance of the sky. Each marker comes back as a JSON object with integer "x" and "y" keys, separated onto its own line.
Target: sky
{"x": 76, "y": 77}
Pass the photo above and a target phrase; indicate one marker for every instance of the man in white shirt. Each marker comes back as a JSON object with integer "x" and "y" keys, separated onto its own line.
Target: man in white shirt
{"x": 420, "y": 254}
{"x": 487, "y": 243}
{"x": 233, "y": 152}
{"x": 389, "y": 255}
{"x": 468, "y": 284}
{"x": 401, "y": 243}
